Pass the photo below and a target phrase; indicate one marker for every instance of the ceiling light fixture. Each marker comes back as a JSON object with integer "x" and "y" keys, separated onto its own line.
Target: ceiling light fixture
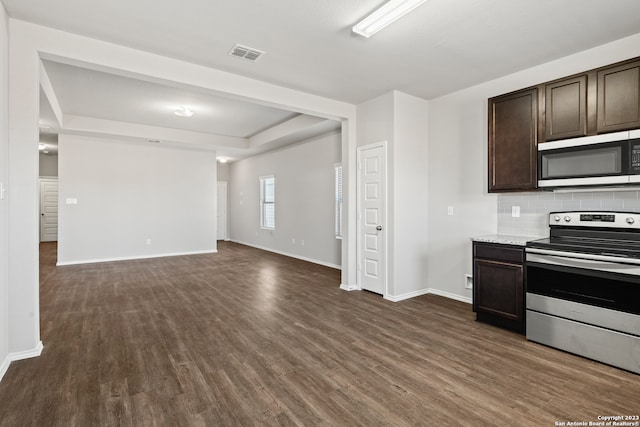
{"x": 385, "y": 15}
{"x": 183, "y": 111}
{"x": 42, "y": 146}
{"x": 223, "y": 159}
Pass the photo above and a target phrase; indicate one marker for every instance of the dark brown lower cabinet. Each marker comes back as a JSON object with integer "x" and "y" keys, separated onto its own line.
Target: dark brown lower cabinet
{"x": 498, "y": 285}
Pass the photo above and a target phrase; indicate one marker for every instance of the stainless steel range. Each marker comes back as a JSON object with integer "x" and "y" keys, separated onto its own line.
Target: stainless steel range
{"x": 583, "y": 286}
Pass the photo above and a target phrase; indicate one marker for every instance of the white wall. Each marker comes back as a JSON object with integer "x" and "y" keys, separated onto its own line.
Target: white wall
{"x": 48, "y": 164}
{"x": 4, "y": 148}
{"x": 128, "y": 193}
{"x": 304, "y": 178}
{"x": 458, "y": 166}
{"x": 401, "y": 121}
{"x": 28, "y": 42}
{"x": 223, "y": 171}
{"x": 410, "y": 204}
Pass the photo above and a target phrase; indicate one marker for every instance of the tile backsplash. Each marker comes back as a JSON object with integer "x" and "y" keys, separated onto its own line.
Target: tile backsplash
{"x": 535, "y": 207}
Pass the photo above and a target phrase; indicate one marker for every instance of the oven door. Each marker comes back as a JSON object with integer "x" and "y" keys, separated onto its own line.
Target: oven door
{"x": 603, "y": 281}
{"x": 585, "y": 304}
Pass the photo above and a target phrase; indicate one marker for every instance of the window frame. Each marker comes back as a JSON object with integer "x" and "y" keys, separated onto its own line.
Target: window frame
{"x": 338, "y": 199}
{"x": 264, "y": 202}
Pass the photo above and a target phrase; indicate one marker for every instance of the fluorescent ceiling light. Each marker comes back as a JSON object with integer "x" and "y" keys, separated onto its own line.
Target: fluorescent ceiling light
{"x": 183, "y": 111}
{"x": 385, "y": 15}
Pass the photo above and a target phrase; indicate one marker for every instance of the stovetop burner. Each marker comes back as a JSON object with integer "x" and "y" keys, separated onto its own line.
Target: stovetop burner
{"x": 600, "y": 233}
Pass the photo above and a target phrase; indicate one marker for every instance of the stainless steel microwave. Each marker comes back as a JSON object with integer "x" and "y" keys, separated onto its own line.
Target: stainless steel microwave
{"x": 609, "y": 159}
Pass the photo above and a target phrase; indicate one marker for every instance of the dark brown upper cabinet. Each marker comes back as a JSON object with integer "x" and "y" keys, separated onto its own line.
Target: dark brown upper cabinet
{"x": 512, "y": 141}
{"x": 619, "y": 97}
{"x": 606, "y": 99}
{"x": 565, "y": 109}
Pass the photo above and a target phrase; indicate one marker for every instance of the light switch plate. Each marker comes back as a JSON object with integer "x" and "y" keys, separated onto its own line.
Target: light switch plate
{"x": 72, "y": 201}
{"x": 515, "y": 211}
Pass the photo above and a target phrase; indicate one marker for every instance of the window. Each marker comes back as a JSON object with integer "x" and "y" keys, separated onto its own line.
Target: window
{"x": 268, "y": 202}
{"x": 338, "y": 200}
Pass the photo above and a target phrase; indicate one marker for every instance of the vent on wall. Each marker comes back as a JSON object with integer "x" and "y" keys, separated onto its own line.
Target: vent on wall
{"x": 247, "y": 53}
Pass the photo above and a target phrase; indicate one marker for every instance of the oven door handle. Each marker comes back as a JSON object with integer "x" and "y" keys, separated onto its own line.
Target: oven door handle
{"x": 585, "y": 261}
{"x": 585, "y": 256}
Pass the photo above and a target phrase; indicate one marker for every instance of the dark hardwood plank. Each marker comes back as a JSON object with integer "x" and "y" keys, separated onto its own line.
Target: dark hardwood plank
{"x": 250, "y": 338}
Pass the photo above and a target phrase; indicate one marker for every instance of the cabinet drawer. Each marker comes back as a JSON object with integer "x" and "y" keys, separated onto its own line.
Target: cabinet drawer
{"x": 498, "y": 252}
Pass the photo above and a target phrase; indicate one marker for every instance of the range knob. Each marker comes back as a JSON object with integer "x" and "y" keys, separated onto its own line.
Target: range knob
{"x": 567, "y": 218}
{"x": 630, "y": 220}
{"x": 557, "y": 218}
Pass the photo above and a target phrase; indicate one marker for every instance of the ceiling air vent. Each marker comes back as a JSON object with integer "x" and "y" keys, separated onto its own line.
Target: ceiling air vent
{"x": 247, "y": 53}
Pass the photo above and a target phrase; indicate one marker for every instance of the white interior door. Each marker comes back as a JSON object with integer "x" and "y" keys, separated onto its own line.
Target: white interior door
{"x": 48, "y": 209}
{"x": 222, "y": 210}
{"x": 372, "y": 216}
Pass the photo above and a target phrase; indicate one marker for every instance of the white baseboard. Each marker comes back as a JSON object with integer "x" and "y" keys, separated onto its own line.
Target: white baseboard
{"x": 28, "y": 353}
{"x": 314, "y": 261}
{"x": 450, "y": 295}
{"x": 131, "y": 258}
{"x": 4, "y": 366}
{"x": 348, "y": 287}
{"x": 397, "y": 298}
{"x": 12, "y": 357}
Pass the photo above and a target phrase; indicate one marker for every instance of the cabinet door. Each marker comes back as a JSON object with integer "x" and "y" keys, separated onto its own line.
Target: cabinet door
{"x": 512, "y": 141}
{"x": 619, "y": 97}
{"x": 499, "y": 289}
{"x": 566, "y": 108}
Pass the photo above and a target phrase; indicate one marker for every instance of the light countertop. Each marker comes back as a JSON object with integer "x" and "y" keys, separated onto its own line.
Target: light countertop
{"x": 505, "y": 239}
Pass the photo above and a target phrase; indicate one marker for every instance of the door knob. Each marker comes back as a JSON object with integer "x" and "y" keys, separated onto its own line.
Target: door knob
{"x": 379, "y": 228}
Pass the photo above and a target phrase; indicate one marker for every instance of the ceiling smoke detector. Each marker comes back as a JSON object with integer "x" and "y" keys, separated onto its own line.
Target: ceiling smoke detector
{"x": 246, "y": 53}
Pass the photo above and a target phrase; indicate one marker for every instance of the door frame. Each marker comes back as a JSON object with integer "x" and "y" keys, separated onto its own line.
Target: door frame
{"x": 226, "y": 207}
{"x": 359, "y": 224}
{"x": 41, "y": 180}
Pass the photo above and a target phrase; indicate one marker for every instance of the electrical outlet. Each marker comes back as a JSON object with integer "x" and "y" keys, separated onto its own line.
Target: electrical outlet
{"x": 293, "y": 240}
{"x": 450, "y": 210}
{"x": 302, "y": 242}
{"x": 148, "y": 241}
{"x": 515, "y": 211}
{"x": 468, "y": 281}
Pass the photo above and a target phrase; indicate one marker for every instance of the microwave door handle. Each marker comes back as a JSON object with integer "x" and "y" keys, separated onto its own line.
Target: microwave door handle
{"x": 569, "y": 182}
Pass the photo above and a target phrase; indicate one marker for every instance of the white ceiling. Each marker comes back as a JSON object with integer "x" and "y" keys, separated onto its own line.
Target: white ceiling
{"x": 84, "y": 92}
{"x": 442, "y": 46}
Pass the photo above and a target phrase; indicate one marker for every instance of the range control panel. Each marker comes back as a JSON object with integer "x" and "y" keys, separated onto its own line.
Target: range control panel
{"x": 598, "y": 217}
{"x": 595, "y": 219}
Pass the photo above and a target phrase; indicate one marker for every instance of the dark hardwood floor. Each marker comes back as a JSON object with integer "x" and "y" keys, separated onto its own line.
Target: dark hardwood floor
{"x": 245, "y": 337}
